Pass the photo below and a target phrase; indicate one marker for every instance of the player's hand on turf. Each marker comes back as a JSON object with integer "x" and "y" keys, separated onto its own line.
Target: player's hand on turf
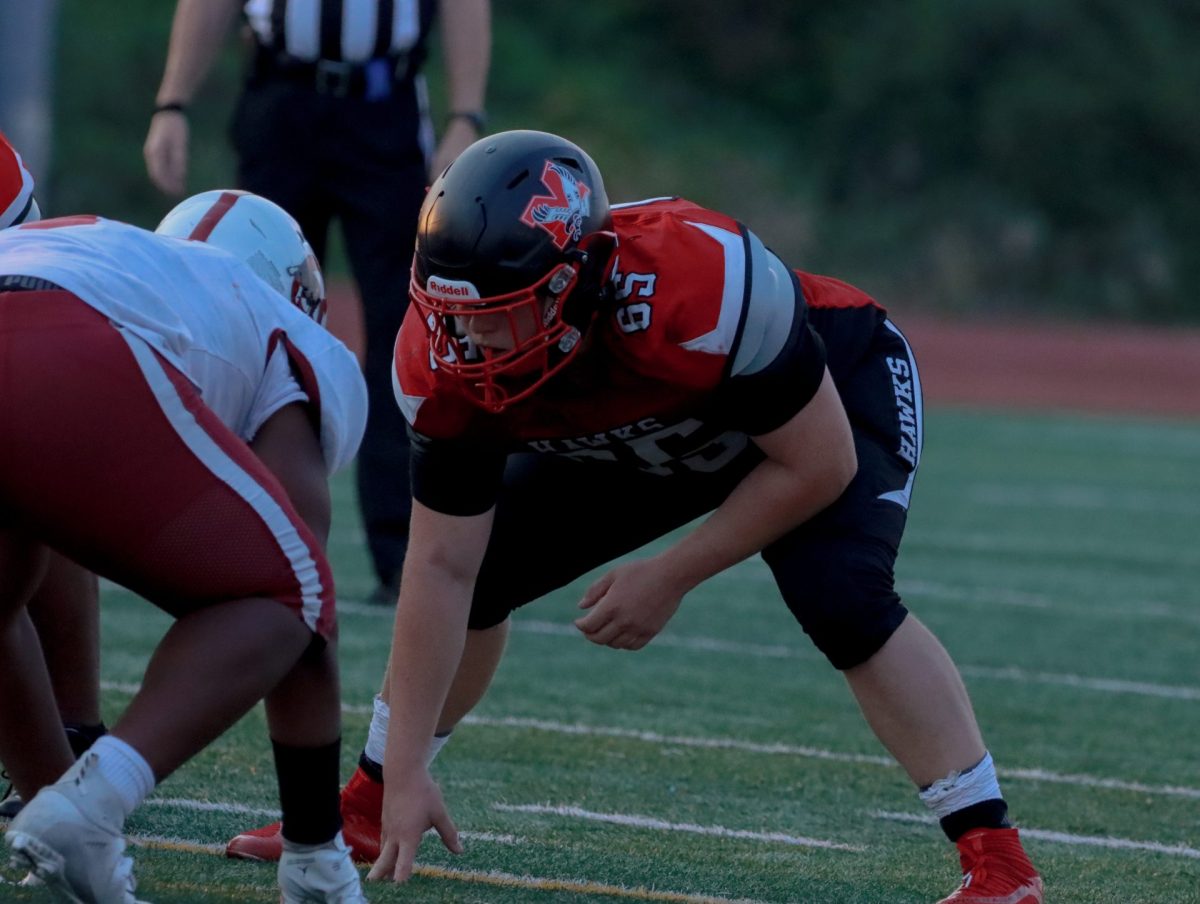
{"x": 629, "y": 605}
{"x": 409, "y": 808}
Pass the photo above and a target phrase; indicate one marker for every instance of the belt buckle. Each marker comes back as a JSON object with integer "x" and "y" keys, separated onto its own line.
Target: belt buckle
{"x": 334, "y": 77}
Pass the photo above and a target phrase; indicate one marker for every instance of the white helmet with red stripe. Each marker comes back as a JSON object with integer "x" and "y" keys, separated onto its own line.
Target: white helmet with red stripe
{"x": 16, "y": 188}
{"x": 262, "y": 234}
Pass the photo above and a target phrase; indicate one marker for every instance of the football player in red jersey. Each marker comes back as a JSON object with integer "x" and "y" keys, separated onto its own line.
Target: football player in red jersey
{"x": 647, "y": 364}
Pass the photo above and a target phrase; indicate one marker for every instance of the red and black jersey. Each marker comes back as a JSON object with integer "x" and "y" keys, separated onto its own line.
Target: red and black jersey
{"x": 711, "y": 339}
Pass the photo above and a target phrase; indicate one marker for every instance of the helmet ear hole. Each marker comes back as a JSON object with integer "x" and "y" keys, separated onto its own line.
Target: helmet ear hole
{"x": 597, "y": 252}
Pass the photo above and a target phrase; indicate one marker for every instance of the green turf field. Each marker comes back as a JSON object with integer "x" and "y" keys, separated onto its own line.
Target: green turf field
{"x": 1057, "y": 558}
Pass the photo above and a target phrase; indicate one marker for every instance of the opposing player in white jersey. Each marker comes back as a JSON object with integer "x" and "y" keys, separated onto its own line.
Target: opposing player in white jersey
{"x": 64, "y": 609}
{"x": 171, "y": 414}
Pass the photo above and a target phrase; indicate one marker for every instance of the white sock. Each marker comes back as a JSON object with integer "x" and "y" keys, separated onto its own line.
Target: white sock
{"x": 125, "y": 769}
{"x": 962, "y": 789}
{"x": 435, "y": 746}
{"x": 377, "y": 733}
{"x": 376, "y": 745}
{"x": 337, "y": 843}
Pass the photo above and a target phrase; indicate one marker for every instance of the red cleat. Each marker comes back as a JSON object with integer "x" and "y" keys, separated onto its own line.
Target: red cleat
{"x": 362, "y": 813}
{"x": 995, "y": 870}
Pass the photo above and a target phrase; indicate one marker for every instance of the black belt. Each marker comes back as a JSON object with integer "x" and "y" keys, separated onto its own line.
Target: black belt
{"x": 372, "y": 79}
{"x": 14, "y": 283}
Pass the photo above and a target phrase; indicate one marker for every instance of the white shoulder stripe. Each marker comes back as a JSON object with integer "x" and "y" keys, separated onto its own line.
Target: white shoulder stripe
{"x": 627, "y": 204}
{"x": 409, "y": 404}
{"x": 719, "y": 341}
{"x": 769, "y": 310}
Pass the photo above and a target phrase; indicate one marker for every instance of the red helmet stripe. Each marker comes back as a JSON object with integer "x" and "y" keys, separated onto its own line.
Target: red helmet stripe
{"x": 213, "y": 216}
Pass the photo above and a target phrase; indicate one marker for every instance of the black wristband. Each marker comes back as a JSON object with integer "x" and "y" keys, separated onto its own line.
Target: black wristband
{"x": 171, "y": 107}
{"x": 477, "y": 118}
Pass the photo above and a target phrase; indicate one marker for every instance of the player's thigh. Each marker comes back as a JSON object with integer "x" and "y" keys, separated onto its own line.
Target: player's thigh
{"x": 837, "y": 572}
{"x": 125, "y": 470}
{"x": 557, "y": 519}
{"x": 23, "y": 562}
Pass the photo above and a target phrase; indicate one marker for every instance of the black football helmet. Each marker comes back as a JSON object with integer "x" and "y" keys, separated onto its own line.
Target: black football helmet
{"x": 517, "y": 227}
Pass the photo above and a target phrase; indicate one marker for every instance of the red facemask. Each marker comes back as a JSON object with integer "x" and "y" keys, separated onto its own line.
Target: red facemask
{"x": 537, "y": 341}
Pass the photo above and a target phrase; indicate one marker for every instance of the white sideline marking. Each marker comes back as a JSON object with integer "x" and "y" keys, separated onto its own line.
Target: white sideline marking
{"x": 816, "y": 753}
{"x": 648, "y": 822}
{"x": 1104, "y": 841}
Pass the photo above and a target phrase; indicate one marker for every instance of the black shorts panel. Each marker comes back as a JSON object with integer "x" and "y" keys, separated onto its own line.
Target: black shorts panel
{"x": 836, "y": 571}
{"x": 557, "y": 519}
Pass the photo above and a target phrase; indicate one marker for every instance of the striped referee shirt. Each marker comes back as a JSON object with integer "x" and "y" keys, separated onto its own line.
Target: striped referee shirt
{"x": 348, "y": 30}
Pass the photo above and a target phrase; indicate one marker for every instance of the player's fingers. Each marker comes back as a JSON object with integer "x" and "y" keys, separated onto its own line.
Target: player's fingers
{"x": 604, "y": 635}
{"x": 448, "y": 832}
{"x": 405, "y": 855}
{"x": 382, "y": 867}
{"x": 596, "y": 592}
{"x": 592, "y": 622}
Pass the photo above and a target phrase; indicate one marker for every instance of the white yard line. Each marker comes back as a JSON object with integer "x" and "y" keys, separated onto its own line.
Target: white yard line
{"x": 1040, "y": 546}
{"x": 782, "y": 651}
{"x": 270, "y": 815}
{"x": 1085, "y": 498}
{"x": 774, "y": 749}
{"x": 1103, "y": 841}
{"x": 1086, "y": 781}
{"x": 1107, "y": 685}
{"x": 650, "y": 822}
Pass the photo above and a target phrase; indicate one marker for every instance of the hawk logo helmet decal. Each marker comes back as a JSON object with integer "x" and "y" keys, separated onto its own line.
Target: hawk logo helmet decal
{"x": 562, "y": 212}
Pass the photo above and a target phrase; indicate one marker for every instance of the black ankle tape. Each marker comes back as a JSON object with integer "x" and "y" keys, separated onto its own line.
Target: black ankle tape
{"x": 373, "y": 769}
{"x": 309, "y": 791}
{"x": 987, "y": 814}
{"x": 81, "y": 736}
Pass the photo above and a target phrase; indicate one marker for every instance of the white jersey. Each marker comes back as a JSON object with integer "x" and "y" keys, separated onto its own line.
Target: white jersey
{"x": 247, "y": 350}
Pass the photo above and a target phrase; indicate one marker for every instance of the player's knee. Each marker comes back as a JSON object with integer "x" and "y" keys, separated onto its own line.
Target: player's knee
{"x": 849, "y": 608}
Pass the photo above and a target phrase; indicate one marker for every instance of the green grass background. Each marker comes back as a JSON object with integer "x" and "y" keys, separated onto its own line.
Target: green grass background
{"x": 1056, "y": 546}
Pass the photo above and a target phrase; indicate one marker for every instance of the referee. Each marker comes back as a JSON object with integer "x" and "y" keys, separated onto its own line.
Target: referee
{"x": 333, "y": 123}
